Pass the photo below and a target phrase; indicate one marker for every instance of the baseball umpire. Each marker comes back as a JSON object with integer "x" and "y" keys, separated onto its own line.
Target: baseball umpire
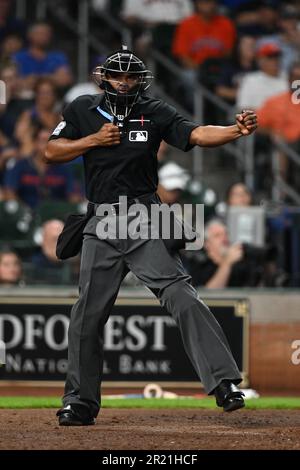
{"x": 118, "y": 132}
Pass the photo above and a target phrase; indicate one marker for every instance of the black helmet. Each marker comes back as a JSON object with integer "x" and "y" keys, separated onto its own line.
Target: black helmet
{"x": 122, "y": 61}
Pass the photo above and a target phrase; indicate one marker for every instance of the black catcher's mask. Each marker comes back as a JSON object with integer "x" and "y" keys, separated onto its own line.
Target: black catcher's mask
{"x": 122, "y": 61}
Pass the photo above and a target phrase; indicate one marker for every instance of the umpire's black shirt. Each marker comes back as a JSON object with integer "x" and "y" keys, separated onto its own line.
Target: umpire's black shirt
{"x": 130, "y": 168}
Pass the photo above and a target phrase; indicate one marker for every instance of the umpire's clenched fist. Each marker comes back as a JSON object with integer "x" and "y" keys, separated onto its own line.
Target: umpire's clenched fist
{"x": 109, "y": 134}
{"x": 246, "y": 121}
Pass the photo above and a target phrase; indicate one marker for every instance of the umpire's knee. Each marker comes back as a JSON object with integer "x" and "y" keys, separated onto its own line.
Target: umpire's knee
{"x": 181, "y": 298}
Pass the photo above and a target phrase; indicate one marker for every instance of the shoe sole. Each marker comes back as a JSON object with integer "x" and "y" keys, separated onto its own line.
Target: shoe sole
{"x": 66, "y": 422}
{"x": 234, "y": 406}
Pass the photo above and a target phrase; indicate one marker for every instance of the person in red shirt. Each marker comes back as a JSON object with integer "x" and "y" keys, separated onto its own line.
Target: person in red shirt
{"x": 200, "y": 41}
{"x": 204, "y": 35}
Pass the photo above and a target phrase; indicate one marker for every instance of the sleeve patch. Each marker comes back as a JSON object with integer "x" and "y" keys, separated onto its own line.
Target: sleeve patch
{"x": 59, "y": 128}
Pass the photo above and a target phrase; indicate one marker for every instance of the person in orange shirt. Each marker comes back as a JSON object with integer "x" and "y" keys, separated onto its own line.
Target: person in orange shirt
{"x": 204, "y": 35}
{"x": 279, "y": 116}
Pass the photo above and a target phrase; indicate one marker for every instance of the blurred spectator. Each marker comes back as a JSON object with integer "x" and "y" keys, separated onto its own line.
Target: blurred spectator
{"x": 238, "y": 194}
{"x": 43, "y": 113}
{"x": 234, "y": 70}
{"x": 10, "y": 269}
{"x": 3, "y": 143}
{"x": 256, "y": 87}
{"x": 246, "y": 18}
{"x": 172, "y": 181}
{"x": 150, "y": 14}
{"x": 258, "y": 18}
{"x": 45, "y": 267}
{"x": 15, "y": 104}
{"x": 10, "y": 45}
{"x": 279, "y": 116}
{"x": 288, "y": 38}
{"x": 154, "y": 20}
{"x": 204, "y": 35}
{"x": 9, "y": 154}
{"x": 50, "y": 232}
{"x": 156, "y": 11}
{"x": 38, "y": 60}
{"x": 8, "y": 23}
{"x": 222, "y": 265}
{"x": 200, "y": 41}
{"x": 268, "y": 17}
{"x": 31, "y": 180}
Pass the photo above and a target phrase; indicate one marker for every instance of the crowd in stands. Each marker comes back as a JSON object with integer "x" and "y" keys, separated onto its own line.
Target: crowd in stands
{"x": 246, "y": 51}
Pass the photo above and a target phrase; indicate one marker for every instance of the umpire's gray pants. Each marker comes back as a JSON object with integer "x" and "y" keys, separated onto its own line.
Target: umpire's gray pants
{"x": 104, "y": 264}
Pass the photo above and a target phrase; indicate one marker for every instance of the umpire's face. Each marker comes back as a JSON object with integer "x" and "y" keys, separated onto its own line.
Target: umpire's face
{"x": 123, "y": 82}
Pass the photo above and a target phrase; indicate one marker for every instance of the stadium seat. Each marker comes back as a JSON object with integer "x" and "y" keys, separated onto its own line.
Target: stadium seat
{"x": 17, "y": 224}
{"x": 57, "y": 210}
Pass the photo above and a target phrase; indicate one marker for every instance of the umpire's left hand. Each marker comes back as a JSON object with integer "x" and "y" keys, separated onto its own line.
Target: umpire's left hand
{"x": 246, "y": 121}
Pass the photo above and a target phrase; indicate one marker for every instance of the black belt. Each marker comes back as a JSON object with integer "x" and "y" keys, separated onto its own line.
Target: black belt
{"x": 116, "y": 207}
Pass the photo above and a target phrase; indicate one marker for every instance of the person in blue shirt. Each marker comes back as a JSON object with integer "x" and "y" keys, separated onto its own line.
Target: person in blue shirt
{"x": 8, "y": 23}
{"x": 14, "y": 105}
{"x": 31, "y": 180}
{"x": 38, "y": 60}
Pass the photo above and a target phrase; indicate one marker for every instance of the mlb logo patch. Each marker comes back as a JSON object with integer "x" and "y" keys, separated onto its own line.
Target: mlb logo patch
{"x": 138, "y": 136}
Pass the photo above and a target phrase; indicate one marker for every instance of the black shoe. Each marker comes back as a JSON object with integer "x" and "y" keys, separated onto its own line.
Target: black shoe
{"x": 75, "y": 415}
{"x": 229, "y": 396}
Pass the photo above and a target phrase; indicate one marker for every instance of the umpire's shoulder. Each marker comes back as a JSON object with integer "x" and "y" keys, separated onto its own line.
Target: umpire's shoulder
{"x": 77, "y": 108}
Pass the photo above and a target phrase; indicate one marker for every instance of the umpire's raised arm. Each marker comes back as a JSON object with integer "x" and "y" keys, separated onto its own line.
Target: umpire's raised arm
{"x": 212, "y": 136}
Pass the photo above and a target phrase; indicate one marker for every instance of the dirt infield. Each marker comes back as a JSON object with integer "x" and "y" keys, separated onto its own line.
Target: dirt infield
{"x": 153, "y": 429}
